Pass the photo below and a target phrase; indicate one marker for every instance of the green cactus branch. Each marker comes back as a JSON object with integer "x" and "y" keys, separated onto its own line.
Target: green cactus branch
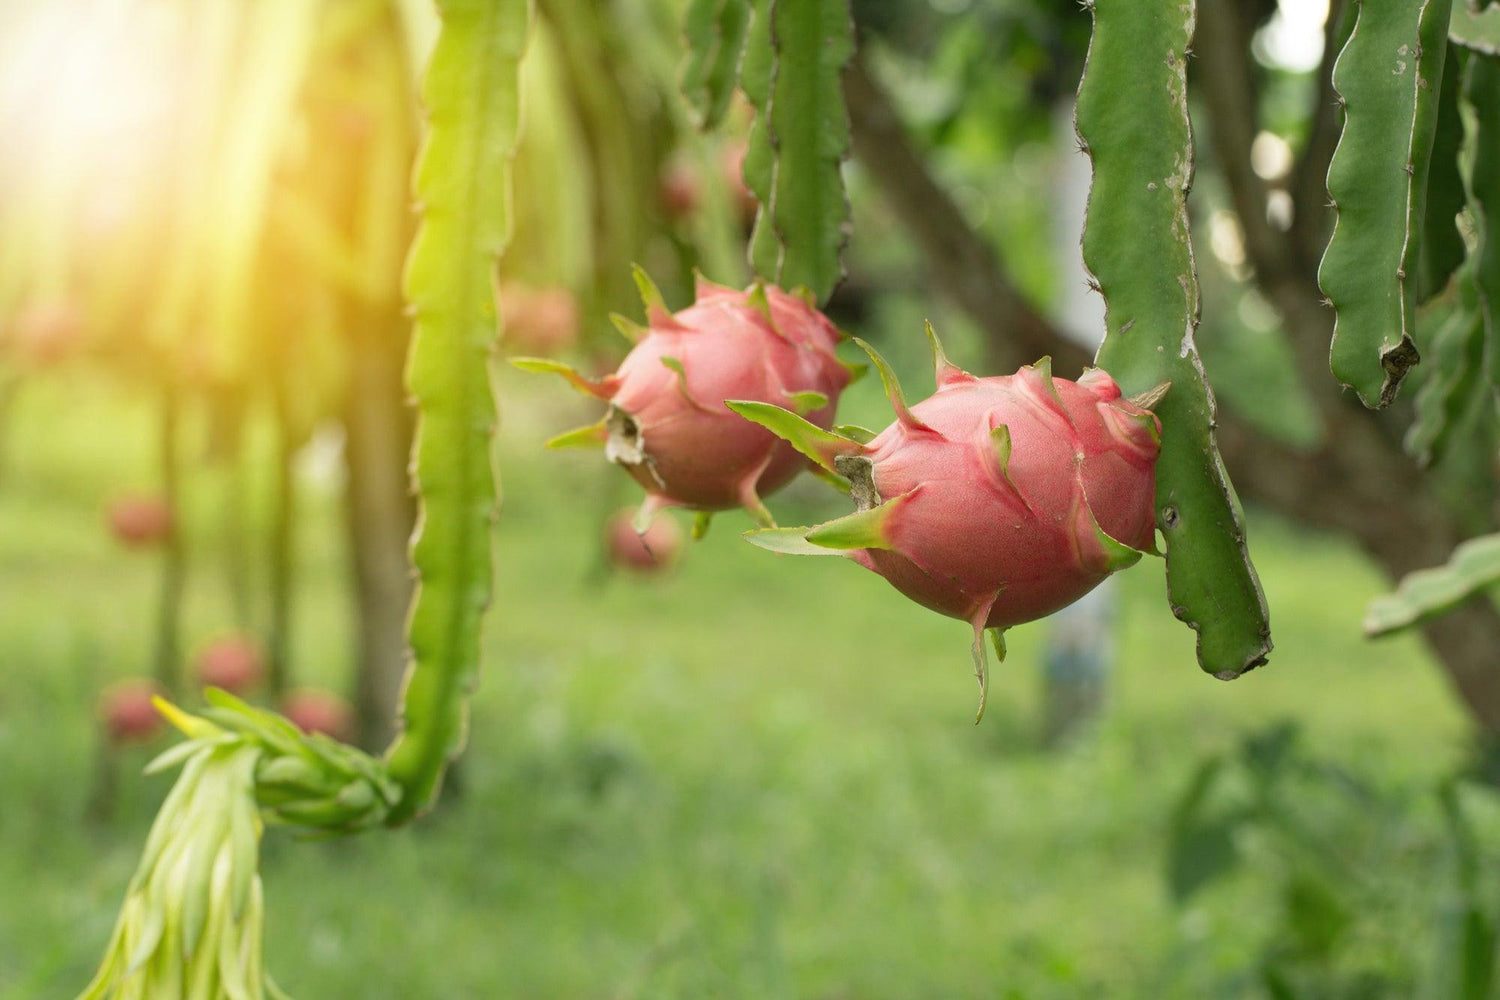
{"x": 1448, "y": 394}
{"x": 193, "y": 916}
{"x": 715, "y": 31}
{"x": 792, "y": 76}
{"x": 1388, "y": 77}
{"x": 1427, "y": 593}
{"x": 756, "y": 78}
{"x": 1481, "y": 92}
{"x": 1478, "y": 30}
{"x": 1442, "y": 246}
{"x": 472, "y": 96}
{"x": 1132, "y": 120}
{"x": 814, "y": 41}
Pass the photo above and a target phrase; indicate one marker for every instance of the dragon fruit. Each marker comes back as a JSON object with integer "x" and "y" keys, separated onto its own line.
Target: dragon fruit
{"x": 995, "y": 500}
{"x": 652, "y": 552}
{"x": 667, "y": 424}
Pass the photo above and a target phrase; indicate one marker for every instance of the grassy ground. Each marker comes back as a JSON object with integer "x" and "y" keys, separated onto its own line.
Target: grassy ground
{"x": 757, "y": 778}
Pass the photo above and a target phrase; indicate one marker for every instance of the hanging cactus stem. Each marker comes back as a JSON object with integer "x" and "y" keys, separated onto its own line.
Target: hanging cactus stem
{"x": 809, "y": 131}
{"x": 463, "y": 182}
{"x": 1138, "y": 249}
{"x": 1388, "y": 77}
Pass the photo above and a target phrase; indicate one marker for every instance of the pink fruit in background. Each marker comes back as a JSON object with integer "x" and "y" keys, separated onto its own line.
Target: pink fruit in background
{"x": 47, "y": 332}
{"x": 127, "y": 713}
{"x": 995, "y": 500}
{"x": 233, "y": 662}
{"x": 679, "y": 188}
{"x": 319, "y": 712}
{"x": 140, "y": 521}
{"x": 732, "y": 163}
{"x": 667, "y": 423}
{"x": 538, "y": 321}
{"x": 655, "y": 550}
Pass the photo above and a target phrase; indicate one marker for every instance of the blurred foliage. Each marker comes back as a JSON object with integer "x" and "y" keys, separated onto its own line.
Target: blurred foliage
{"x": 1347, "y": 858}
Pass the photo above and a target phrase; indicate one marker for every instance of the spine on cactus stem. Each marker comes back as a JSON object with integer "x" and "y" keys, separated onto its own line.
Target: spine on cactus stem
{"x": 471, "y": 93}
{"x": 1132, "y": 121}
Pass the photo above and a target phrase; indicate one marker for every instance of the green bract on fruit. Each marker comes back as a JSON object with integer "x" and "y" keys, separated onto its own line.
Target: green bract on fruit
{"x": 995, "y": 500}
{"x": 667, "y": 424}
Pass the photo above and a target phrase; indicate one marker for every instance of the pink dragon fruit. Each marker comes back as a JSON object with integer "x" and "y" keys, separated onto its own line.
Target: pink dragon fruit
{"x": 996, "y": 500}
{"x": 667, "y": 423}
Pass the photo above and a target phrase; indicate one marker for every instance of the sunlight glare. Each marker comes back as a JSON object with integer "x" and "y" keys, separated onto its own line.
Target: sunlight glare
{"x": 1293, "y": 39}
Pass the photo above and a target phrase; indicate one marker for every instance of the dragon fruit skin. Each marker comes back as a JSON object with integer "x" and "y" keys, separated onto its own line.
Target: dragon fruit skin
{"x": 667, "y": 424}
{"x": 999, "y": 547}
{"x": 996, "y": 500}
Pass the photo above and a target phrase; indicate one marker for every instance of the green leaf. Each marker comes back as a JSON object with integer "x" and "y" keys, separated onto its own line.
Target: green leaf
{"x": 1389, "y": 77}
{"x": 1132, "y": 119}
{"x": 814, "y": 39}
{"x": 1442, "y": 249}
{"x": 1201, "y": 846}
{"x": 1428, "y": 593}
{"x": 472, "y": 94}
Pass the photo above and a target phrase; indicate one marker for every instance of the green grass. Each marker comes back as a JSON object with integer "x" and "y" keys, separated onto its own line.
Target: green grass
{"x": 756, "y": 778}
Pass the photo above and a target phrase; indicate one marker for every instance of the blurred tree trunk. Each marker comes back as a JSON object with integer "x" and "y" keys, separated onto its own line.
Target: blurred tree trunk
{"x": 368, "y": 105}
{"x": 1359, "y": 482}
{"x": 381, "y": 513}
